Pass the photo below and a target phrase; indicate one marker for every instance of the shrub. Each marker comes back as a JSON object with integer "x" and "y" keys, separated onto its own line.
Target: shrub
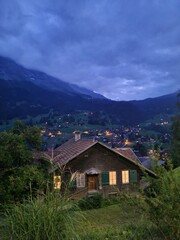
{"x": 163, "y": 201}
{"x": 92, "y": 202}
{"x": 42, "y": 219}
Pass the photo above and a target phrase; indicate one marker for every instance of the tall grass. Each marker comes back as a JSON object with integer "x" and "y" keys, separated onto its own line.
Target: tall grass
{"x": 49, "y": 218}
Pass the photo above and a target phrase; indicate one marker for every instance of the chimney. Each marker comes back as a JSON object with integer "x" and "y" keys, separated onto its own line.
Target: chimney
{"x": 77, "y": 135}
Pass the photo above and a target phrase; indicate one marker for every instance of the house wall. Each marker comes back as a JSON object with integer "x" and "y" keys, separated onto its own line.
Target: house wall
{"x": 104, "y": 160}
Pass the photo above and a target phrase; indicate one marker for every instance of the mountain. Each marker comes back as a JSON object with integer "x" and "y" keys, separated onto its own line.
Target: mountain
{"x": 153, "y": 106}
{"x": 10, "y": 70}
{"x": 26, "y": 92}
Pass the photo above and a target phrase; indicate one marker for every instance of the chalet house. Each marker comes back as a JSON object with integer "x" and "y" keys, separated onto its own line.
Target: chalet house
{"x": 97, "y": 167}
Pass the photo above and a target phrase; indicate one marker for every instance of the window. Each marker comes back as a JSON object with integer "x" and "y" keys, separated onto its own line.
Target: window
{"x": 112, "y": 178}
{"x": 80, "y": 180}
{"x": 125, "y": 176}
{"x": 57, "y": 182}
{"x": 108, "y": 178}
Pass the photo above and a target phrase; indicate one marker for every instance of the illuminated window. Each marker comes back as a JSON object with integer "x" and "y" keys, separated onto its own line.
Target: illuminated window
{"x": 80, "y": 180}
{"x": 57, "y": 182}
{"x": 125, "y": 176}
{"x": 112, "y": 178}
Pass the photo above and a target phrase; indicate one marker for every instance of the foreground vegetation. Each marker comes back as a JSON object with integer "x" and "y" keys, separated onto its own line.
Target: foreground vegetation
{"x": 154, "y": 215}
{"x": 49, "y": 216}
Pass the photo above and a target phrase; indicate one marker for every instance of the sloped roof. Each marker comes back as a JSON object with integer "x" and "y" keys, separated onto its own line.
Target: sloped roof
{"x": 127, "y": 153}
{"x": 71, "y": 149}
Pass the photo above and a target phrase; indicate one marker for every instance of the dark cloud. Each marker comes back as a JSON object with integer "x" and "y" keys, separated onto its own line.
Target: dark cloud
{"x": 122, "y": 49}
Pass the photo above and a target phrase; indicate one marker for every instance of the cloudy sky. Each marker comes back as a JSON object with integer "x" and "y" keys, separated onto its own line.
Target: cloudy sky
{"x": 123, "y": 49}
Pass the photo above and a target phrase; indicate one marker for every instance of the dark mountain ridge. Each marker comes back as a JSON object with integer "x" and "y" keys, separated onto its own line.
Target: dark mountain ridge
{"x": 29, "y": 92}
{"x": 10, "y": 70}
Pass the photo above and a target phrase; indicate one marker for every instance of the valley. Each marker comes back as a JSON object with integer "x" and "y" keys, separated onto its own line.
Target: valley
{"x": 59, "y": 108}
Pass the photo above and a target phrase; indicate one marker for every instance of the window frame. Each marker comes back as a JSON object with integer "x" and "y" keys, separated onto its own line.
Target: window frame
{"x": 125, "y": 178}
{"x": 80, "y": 180}
{"x": 57, "y": 182}
{"x": 112, "y": 178}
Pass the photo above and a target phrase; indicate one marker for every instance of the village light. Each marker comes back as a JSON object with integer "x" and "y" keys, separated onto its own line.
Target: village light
{"x": 86, "y": 132}
{"x": 108, "y": 133}
{"x": 127, "y": 142}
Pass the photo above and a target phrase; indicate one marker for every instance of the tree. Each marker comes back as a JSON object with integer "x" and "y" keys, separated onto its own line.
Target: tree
{"x": 163, "y": 200}
{"x": 175, "y": 147}
{"x": 143, "y": 151}
{"x": 19, "y": 173}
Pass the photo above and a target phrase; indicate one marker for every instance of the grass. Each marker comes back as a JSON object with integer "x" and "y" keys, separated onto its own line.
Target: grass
{"x": 48, "y": 218}
{"x": 114, "y": 215}
{"x": 177, "y": 172}
{"x": 58, "y": 218}
{"x": 125, "y": 220}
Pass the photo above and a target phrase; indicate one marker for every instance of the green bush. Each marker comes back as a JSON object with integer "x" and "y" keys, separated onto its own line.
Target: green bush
{"x": 97, "y": 201}
{"x": 92, "y": 202}
{"x": 163, "y": 202}
{"x": 49, "y": 218}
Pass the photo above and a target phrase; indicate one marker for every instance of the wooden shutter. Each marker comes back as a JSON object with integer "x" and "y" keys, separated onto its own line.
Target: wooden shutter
{"x": 105, "y": 178}
{"x": 70, "y": 180}
{"x": 67, "y": 177}
{"x": 133, "y": 176}
{"x": 73, "y": 182}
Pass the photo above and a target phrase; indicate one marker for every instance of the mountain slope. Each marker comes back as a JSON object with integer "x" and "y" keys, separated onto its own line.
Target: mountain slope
{"x": 19, "y": 99}
{"x": 153, "y": 106}
{"x": 26, "y": 92}
{"x": 10, "y": 70}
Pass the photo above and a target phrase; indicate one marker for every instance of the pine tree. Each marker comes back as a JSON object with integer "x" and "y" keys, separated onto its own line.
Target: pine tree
{"x": 175, "y": 147}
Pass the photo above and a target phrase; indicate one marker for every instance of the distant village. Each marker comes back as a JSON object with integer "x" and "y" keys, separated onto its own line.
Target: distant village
{"x": 145, "y": 144}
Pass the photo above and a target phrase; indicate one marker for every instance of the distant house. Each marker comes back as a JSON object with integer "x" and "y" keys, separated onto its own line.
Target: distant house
{"x": 96, "y": 167}
{"x": 148, "y": 162}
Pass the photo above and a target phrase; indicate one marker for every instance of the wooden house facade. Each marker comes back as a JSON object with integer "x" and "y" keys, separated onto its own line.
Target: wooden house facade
{"x": 96, "y": 167}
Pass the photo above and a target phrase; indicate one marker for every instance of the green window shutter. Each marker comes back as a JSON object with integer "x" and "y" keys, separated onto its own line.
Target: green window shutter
{"x": 133, "y": 176}
{"x": 67, "y": 177}
{"x": 69, "y": 181}
{"x": 74, "y": 182}
{"x": 105, "y": 178}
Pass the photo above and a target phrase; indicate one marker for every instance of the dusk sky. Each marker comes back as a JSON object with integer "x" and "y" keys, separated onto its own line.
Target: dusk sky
{"x": 123, "y": 49}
